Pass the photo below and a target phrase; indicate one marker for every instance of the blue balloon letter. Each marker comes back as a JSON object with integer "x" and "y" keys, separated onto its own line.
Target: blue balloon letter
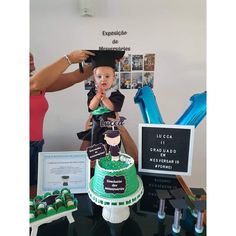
{"x": 148, "y": 105}
{"x": 195, "y": 112}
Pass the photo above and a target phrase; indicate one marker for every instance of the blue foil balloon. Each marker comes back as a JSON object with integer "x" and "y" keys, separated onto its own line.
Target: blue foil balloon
{"x": 195, "y": 112}
{"x": 148, "y": 105}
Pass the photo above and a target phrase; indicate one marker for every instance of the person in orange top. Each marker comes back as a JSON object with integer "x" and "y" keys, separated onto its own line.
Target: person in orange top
{"x": 50, "y": 79}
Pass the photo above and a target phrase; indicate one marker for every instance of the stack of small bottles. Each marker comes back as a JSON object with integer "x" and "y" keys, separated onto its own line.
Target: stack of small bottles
{"x": 51, "y": 203}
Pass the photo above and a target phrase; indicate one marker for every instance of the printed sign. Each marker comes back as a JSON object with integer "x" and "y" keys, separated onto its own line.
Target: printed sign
{"x": 114, "y": 184}
{"x": 96, "y": 151}
{"x": 165, "y": 149}
{"x": 60, "y": 169}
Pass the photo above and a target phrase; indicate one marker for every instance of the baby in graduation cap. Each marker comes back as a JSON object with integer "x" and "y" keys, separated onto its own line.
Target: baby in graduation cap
{"x": 103, "y": 99}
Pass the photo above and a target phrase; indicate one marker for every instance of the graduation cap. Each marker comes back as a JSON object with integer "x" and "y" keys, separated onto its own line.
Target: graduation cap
{"x": 178, "y": 203}
{"x": 198, "y": 192}
{"x": 178, "y": 193}
{"x": 163, "y": 194}
{"x": 112, "y": 133}
{"x": 65, "y": 177}
{"x": 122, "y": 119}
{"x": 105, "y": 58}
{"x": 200, "y": 205}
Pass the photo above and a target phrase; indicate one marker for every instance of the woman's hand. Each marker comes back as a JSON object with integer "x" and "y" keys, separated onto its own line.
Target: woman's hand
{"x": 79, "y": 56}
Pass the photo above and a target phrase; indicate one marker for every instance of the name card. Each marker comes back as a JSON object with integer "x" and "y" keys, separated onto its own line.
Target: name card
{"x": 96, "y": 151}
{"x": 115, "y": 184}
{"x": 112, "y": 123}
{"x": 166, "y": 149}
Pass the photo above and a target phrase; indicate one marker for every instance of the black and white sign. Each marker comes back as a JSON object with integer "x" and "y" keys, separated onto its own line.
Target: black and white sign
{"x": 114, "y": 184}
{"x": 165, "y": 149}
{"x": 96, "y": 151}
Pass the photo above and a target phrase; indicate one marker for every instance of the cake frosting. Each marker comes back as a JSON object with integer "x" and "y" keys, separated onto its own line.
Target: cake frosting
{"x": 115, "y": 185}
{"x": 115, "y": 179}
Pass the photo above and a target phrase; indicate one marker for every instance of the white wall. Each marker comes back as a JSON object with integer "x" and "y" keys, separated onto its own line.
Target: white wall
{"x": 174, "y": 30}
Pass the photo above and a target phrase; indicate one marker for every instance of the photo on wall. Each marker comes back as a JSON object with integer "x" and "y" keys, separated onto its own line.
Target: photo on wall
{"x": 132, "y": 72}
{"x": 117, "y": 81}
{"x": 125, "y": 80}
{"x": 89, "y": 83}
{"x": 148, "y": 79}
{"x": 149, "y": 62}
{"x": 125, "y": 63}
{"x": 137, "y": 62}
{"x": 137, "y": 80}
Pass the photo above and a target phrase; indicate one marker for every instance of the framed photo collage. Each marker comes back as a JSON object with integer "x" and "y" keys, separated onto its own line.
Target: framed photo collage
{"x": 133, "y": 72}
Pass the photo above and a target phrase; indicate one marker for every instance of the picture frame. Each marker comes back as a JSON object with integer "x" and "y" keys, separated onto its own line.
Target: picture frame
{"x": 165, "y": 149}
{"x": 57, "y": 170}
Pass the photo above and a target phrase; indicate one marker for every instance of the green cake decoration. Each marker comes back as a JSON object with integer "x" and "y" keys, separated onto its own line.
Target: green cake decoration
{"x": 114, "y": 179}
{"x": 51, "y": 204}
{"x": 115, "y": 185}
{"x": 47, "y": 194}
{"x": 56, "y": 192}
{"x": 51, "y": 210}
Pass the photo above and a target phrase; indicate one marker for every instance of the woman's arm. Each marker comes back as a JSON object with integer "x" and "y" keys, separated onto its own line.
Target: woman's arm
{"x": 48, "y": 76}
{"x": 66, "y": 80}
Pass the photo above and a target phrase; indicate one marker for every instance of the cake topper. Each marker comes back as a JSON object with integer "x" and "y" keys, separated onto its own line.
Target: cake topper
{"x": 112, "y": 138}
{"x": 112, "y": 123}
{"x": 96, "y": 151}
